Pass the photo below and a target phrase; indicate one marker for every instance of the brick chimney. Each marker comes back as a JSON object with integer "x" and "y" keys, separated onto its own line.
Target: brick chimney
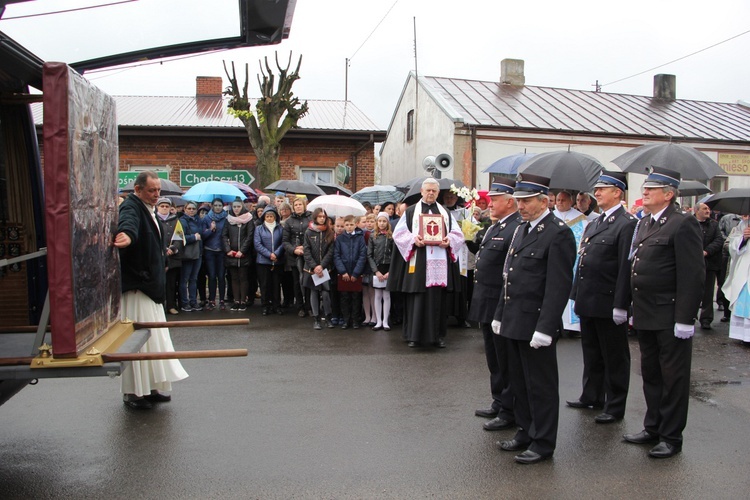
{"x": 665, "y": 87}
{"x": 208, "y": 86}
{"x": 511, "y": 72}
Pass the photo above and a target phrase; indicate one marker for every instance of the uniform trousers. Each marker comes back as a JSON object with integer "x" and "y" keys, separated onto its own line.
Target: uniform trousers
{"x": 534, "y": 381}
{"x": 606, "y": 364}
{"x": 665, "y": 368}
{"x": 496, "y": 351}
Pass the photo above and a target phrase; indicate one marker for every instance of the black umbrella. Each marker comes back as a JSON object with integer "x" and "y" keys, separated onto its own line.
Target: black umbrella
{"x": 732, "y": 201}
{"x": 566, "y": 170}
{"x": 168, "y": 188}
{"x": 414, "y": 193}
{"x": 689, "y": 162}
{"x": 693, "y": 188}
{"x": 295, "y": 187}
{"x": 334, "y": 189}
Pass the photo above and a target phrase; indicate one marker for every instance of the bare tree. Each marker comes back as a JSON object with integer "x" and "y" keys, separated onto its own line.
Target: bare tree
{"x": 276, "y": 112}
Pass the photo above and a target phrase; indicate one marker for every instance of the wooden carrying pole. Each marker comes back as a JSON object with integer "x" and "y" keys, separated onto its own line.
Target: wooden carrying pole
{"x": 134, "y": 356}
{"x": 149, "y": 356}
{"x": 153, "y": 324}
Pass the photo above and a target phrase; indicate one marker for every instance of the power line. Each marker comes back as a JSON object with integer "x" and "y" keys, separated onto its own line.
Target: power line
{"x": 374, "y": 30}
{"x": 674, "y": 61}
{"x": 68, "y": 10}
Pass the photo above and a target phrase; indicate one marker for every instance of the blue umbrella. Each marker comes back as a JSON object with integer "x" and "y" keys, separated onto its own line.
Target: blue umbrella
{"x": 508, "y": 164}
{"x": 208, "y": 190}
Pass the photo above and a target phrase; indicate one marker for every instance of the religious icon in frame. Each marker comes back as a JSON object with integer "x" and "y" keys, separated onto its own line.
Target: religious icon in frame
{"x": 431, "y": 228}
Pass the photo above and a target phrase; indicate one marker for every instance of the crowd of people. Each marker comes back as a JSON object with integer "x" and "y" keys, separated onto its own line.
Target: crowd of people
{"x": 525, "y": 264}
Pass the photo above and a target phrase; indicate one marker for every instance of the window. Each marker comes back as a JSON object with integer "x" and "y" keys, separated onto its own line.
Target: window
{"x": 314, "y": 176}
{"x": 410, "y": 125}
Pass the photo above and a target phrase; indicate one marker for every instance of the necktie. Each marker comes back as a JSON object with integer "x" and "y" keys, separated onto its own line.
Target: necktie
{"x": 528, "y": 228}
{"x": 600, "y": 219}
{"x": 429, "y": 207}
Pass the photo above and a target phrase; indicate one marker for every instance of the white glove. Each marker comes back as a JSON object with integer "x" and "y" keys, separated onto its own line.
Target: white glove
{"x": 540, "y": 340}
{"x": 496, "y": 326}
{"x": 619, "y": 316}
{"x": 683, "y": 331}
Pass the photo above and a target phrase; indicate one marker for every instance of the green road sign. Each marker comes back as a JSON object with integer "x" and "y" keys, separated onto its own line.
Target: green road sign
{"x": 190, "y": 177}
{"x": 343, "y": 172}
{"x": 125, "y": 178}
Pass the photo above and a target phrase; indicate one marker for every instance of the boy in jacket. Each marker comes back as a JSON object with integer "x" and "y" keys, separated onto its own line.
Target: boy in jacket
{"x": 350, "y": 257}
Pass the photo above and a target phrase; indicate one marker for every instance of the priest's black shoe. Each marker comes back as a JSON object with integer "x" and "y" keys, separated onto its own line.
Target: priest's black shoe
{"x": 664, "y": 450}
{"x": 605, "y": 418}
{"x": 157, "y": 397}
{"x": 439, "y": 343}
{"x": 642, "y": 437}
{"x": 582, "y": 404}
{"x": 412, "y": 344}
{"x": 137, "y": 404}
{"x": 497, "y": 424}
{"x": 486, "y": 412}
{"x": 512, "y": 445}
{"x": 530, "y": 457}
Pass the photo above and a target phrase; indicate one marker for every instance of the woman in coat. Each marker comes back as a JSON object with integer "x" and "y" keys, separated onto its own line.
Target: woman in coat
{"x": 191, "y": 258}
{"x": 213, "y": 252}
{"x": 318, "y": 255}
{"x": 237, "y": 238}
{"x": 294, "y": 233}
{"x": 270, "y": 260}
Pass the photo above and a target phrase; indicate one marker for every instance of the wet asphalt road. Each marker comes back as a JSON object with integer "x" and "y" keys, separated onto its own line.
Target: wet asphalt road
{"x": 357, "y": 414}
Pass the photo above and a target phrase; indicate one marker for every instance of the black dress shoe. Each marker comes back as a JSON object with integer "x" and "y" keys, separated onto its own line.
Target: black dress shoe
{"x": 512, "y": 445}
{"x": 497, "y": 424}
{"x": 530, "y": 457}
{"x": 705, "y": 325}
{"x": 468, "y": 325}
{"x": 157, "y": 397}
{"x": 642, "y": 437}
{"x": 439, "y": 343}
{"x": 583, "y": 404}
{"x": 605, "y": 418}
{"x": 724, "y": 319}
{"x": 412, "y": 344}
{"x": 138, "y": 404}
{"x": 486, "y": 412}
{"x": 664, "y": 450}
{"x": 376, "y": 328}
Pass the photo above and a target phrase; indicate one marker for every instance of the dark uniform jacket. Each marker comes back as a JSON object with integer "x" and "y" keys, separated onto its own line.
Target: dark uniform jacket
{"x": 602, "y": 279}
{"x": 491, "y": 245}
{"x": 540, "y": 276}
{"x": 667, "y": 271}
{"x": 713, "y": 241}
{"x": 142, "y": 262}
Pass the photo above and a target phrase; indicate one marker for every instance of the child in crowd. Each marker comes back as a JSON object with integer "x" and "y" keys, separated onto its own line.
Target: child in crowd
{"x": 318, "y": 255}
{"x": 350, "y": 255}
{"x": 379, "y": 252}
{"x": 338, "y": 230}
{"x": 366, "y": 224}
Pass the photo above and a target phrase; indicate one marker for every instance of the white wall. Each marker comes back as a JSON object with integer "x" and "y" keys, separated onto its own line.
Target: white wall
{"x": 434, "y": 134}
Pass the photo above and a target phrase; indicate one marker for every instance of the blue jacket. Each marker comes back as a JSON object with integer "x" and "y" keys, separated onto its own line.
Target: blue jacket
{"x": 192, "y": 225}
{"x": 212, "y": 239}
{"x": 350, "y": 253}
{"x": 267, "y": 243}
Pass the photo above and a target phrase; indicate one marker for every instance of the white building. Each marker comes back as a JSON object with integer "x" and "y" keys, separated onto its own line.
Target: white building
{"x": 480, "y": 122}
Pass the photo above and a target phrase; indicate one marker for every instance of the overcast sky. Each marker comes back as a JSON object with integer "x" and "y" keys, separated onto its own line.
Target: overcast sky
{"x": 564, "y": 44}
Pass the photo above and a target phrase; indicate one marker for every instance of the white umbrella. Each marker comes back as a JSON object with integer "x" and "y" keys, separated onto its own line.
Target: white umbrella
{"x": 337, "y": 205}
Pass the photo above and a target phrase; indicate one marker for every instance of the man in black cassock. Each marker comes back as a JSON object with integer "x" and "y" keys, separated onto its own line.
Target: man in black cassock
{"x": 424, "y": 273}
